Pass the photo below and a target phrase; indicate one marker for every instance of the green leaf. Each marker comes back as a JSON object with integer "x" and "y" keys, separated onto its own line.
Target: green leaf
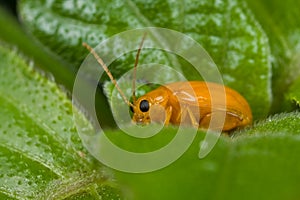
{"x": 286, "y": 124}
{"x": 279, "y": 20}
{"x": 41, "y": 154}
{"x": 258, "y": 163}
{"x": 13, "y": 34}
{"x": 226, "y": 29}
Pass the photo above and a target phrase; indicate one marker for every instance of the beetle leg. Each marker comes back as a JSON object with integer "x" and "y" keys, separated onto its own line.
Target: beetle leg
{"x": 186, "y": 112}
{"x": 192, "y": 118}
{"x": 168, "y": 115}
{"x": 206, "y": 120}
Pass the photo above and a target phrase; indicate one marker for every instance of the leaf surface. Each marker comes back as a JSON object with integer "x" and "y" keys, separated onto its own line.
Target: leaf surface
{"x": 41, "y": 154}
{"x": 226, "y": 29}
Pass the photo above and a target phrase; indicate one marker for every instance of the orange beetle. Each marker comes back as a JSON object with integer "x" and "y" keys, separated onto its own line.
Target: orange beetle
{"x": 180, "y": 98}
{"x": 176, "y": 102}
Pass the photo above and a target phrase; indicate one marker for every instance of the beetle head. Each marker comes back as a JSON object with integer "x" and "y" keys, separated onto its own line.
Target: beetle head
{"x": 150, "y": 107}
{"x": 141, "y": 111}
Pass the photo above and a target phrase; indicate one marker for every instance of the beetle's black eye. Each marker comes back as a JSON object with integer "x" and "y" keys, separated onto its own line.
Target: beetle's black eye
{"x": 144, "y": 106}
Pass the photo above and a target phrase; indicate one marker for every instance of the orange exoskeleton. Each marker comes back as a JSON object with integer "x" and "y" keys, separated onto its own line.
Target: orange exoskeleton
{"x": 192, "y": 94}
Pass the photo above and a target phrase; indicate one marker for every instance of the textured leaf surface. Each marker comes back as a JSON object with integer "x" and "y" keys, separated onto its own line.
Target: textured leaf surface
{"x": 41, "y": 154}
{"x": 226, "y": 29}
{"x": 279, "y": 20}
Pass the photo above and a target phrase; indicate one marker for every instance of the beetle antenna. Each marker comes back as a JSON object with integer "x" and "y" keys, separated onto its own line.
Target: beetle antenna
{"x": 100, "y": 61}
{"x": 135, "y": 66}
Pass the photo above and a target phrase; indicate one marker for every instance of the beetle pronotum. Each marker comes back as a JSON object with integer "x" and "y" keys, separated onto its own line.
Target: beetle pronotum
{"x": 237, "y": 110}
